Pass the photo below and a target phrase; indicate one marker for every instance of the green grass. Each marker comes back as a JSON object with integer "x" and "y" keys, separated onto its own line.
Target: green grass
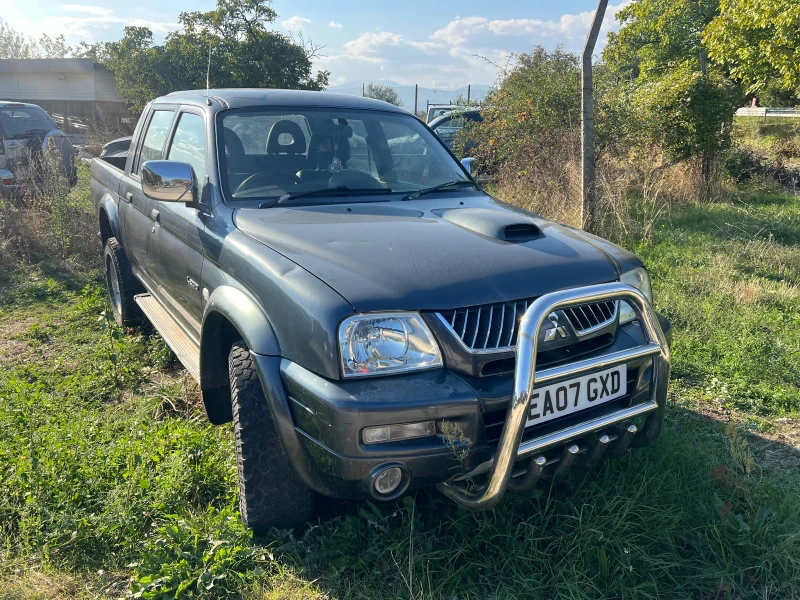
{"x": 728, "y": 276}
{"x": 774, "y": 136}
{"x": 112, "y": 481}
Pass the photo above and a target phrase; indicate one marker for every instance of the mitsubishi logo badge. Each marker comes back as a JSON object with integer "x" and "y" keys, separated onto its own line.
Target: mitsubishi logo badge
{"x": 556, "y": 330}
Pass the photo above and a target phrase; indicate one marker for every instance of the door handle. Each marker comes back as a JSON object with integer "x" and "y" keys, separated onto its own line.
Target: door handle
{"x": 155, "y": 215}
{"x": 128, "y": 197}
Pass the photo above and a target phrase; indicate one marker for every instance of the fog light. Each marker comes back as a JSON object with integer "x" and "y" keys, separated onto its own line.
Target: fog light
{"x": 388, "y": 480}
{"x": 390, "y": 433}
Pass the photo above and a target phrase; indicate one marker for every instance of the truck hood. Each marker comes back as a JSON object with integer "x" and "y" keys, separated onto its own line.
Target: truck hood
{"x": 430, "y": 254}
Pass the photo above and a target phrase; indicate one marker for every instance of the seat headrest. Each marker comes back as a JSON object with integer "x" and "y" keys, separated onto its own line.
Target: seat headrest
{"x": 233, "y": 143}
{"x": 286, "y": 137}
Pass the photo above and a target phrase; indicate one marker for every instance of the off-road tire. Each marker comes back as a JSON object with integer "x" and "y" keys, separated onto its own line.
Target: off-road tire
{"x": 270, "y": 492}
{"x": 124, "y": 308}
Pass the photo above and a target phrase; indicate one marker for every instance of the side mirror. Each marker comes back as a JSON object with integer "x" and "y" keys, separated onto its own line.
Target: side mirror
{"x": 469, "y": 164}
{"x": 169, "y": 181}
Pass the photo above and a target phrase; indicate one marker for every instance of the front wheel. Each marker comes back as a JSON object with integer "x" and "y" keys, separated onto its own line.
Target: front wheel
{"x": 270, "y": 492}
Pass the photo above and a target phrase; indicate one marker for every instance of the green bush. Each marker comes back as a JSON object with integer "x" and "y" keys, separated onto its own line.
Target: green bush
{"x": 210, "y": 555}
{"x": 535, "y": 105}
{"x": 686, "y": 113}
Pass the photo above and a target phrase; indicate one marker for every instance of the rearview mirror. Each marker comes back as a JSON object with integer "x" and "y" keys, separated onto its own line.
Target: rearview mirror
{"x": 469, "y": 164}
{"x": 169, "y": 181}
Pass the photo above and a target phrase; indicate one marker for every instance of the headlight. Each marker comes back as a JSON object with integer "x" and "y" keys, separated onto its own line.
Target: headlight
{"x": 639, "y": 279}
{"x": 378, "y": 344}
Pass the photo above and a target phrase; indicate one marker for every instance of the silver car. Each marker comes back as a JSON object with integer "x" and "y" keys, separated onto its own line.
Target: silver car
{"x": 31, "y": 147}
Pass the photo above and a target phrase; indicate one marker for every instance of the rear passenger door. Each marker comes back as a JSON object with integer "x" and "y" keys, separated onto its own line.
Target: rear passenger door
{"x": 136, "y": 218}
{"x": 178, "y": 227}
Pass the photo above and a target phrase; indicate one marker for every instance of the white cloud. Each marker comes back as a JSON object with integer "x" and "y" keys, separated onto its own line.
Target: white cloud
{"x": 295, "y": 23}
{"x": 480, "y": 32}
{"x": 335, "y": 25}
{"x": 85, "y": 8}
{"x": 80, "y": 22}
{"x": 465, "y": 50}
{"x": 459, "y": 30}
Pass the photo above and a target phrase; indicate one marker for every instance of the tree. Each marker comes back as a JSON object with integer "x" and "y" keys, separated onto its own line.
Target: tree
{"x": 759, "y": 41}
{"x": 383, "y": 92}
{"x": 657, "y": 36}
{"x": 245, "y": 53}
{"x": 56, "y": 47}
{"x": 663, "y": 97}
{"x": 686, "y": 113}
{"x": 534, "y": 109}
{"x": 13, "y": 44}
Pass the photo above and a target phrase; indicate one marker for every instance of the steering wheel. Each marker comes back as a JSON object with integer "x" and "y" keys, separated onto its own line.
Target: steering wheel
{"x": 258, "y": 180}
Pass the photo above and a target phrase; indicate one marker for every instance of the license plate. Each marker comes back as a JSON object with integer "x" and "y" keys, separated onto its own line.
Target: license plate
{"x": 575, "y": 395}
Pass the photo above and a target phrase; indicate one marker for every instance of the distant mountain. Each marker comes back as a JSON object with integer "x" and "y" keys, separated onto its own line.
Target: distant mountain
{"x": 406, "y": 92}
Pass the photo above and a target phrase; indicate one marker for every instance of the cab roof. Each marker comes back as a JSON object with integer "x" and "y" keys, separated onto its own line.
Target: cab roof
{"x": 245, "y": 97}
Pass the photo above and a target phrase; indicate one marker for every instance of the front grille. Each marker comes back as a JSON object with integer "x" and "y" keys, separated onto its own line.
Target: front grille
{"x": 487, "y": 327}
{"x": 591, "y": 317}
{"x": 493, "y": 327}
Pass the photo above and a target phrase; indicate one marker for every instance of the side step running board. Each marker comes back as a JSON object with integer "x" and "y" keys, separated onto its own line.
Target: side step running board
{"x": 176, "y": 338}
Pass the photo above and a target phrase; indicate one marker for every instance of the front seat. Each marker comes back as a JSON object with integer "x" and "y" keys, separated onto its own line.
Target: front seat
{"x": 286, "y": 146}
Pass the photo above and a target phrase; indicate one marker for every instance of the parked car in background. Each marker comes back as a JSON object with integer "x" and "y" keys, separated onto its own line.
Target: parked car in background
{"x": 366, "y": 315}
{"x": 32, "y": 148}
{"x": 437, "y": 110}
{"x": 447, "y": 125}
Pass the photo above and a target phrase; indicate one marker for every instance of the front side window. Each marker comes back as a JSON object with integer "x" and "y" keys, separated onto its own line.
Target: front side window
{"x": 156, "y": 136}
{"x": 189, "y": 146}
{"x": 266, "y": 154}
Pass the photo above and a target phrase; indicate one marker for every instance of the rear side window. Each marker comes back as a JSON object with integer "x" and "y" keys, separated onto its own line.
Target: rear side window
{"x": 189, "y": 146}
{"x": 19, "y": 122}
{"x": 154, "y": 139}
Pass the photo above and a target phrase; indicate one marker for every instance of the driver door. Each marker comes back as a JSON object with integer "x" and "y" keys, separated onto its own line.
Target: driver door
{"x": 178, "y": 246}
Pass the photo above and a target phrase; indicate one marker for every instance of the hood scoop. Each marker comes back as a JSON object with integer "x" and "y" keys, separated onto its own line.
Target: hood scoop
{"x": 497, "y": 224}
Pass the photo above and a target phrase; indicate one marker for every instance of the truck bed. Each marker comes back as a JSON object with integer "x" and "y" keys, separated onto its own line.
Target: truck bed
{"x": 106, "y": 177}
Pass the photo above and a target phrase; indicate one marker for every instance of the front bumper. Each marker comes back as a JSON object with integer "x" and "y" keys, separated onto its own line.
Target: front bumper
{"x": 321, "y": 421}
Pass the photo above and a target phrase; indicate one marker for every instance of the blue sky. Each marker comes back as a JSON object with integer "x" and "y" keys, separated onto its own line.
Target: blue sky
{"x": 433, "y": 44}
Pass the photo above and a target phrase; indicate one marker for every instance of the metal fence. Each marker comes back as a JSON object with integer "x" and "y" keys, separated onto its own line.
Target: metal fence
{"x": 787, "y": 113}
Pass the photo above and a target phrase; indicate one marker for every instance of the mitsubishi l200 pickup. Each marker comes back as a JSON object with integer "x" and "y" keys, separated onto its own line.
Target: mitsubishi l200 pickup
{"x": 369, "y": 318}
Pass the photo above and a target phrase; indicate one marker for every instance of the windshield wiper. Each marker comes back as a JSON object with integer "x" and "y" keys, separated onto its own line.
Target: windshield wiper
{"x": 436, "y": 188}
{"x": 339, "y": 190}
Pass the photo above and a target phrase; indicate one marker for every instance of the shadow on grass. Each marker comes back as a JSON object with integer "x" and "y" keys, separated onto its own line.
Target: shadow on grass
{"x": 773, "y": 215}
{"x": 688, "y": 517}
{"x": 25, "y": 284}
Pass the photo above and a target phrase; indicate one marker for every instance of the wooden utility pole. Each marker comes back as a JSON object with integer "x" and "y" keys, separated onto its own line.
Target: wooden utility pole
{"x": 589, "y": 200}
{"x": 416, "y": 95}
{"x": 363, "y": 88}
{"x": 469, "y": 88}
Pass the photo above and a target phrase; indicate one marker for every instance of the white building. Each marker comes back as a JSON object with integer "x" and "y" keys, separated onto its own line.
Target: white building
{"x": 78, "y": 93}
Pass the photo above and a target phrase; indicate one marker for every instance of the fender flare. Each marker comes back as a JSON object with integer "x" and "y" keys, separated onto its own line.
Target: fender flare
{"x": 249, "y": 320}
{"x": 108, "y": 206}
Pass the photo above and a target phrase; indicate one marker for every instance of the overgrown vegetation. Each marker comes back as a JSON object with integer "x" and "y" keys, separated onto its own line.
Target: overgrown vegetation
{"x": 55, "y": 227}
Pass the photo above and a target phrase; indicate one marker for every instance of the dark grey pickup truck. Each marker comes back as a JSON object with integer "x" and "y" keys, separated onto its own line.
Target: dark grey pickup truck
{"x": 366, "y": 315}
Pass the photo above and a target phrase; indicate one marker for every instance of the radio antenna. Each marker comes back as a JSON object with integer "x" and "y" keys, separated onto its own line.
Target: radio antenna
{"x": 208, "y": 75}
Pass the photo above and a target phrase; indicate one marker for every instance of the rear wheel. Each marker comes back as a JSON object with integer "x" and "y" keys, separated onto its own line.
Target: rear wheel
{"x": 122, "y": 286}
{"x": 270, "y": 492}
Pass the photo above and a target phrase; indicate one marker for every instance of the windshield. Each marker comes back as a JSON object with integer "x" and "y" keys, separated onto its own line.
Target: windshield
{"x": 271, "y": 153}
{"x": 23, "y": 121}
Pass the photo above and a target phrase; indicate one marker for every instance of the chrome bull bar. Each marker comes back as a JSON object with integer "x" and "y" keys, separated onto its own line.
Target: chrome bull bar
{"x": 509, "y": 450}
